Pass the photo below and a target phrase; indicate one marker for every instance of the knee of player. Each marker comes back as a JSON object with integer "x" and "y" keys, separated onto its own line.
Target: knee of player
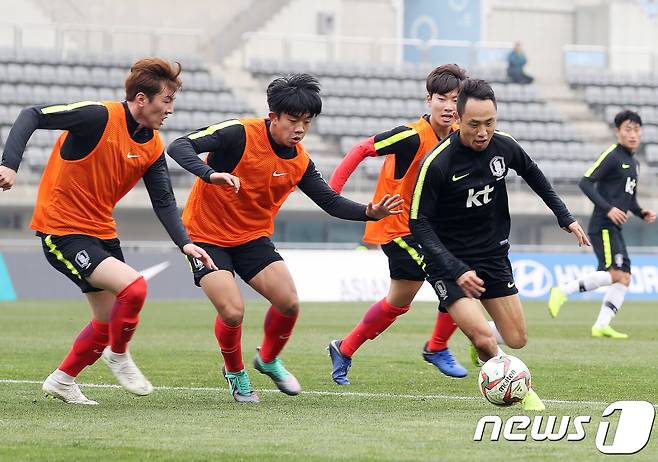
{"x": 485, "y": 342}
{"x": 290, "y": 307}
{"x": 622, "y": 278}
{"x": 517, "y": 340}
{"x": 135, "y": 292}
{"x": 231, "y": 313}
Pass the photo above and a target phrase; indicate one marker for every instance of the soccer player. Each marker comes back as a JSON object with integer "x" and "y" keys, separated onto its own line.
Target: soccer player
{"x": 404, "y": 148}
{"x": 234, "y": 225}
{"x": 460, "y": 216}
{"x": 611, "y": 184}
{"x": 105, "y": 149}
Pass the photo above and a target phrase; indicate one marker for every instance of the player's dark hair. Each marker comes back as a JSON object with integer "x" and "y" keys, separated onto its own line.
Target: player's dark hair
{"x": 295, "y": 94}
{"x": 476, "y": 89}
{"x": 623, "y": 116}
{"x": 444, "y": 79}
{"x": 149, "y": 74}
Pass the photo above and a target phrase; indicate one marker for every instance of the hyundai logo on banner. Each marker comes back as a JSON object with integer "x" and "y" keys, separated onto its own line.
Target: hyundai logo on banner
{"x": 536, "y": 273}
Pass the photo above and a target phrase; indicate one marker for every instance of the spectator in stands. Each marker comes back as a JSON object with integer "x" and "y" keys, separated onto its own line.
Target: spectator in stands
{"x": 235, "y": 226}
{"x": 611, "y": 184}
{"x": 403, "y": 147}
{"x": 516, "y": 60}
{"x": 106, "y": 148}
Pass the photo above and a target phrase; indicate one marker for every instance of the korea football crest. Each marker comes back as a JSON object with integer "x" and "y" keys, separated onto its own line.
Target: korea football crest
{"x": 82, "y": 259}
{"x": 497, "y": 166}
{"x": 441, "y": 290}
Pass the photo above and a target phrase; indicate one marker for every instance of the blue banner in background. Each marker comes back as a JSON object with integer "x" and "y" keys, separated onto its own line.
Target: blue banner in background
{"x": 6, "y": 287}
{"x": 536, "y": 273}
{"x": 441, "y": 20}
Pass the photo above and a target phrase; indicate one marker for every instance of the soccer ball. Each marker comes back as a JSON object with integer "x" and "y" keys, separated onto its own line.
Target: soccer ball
{"x": 504, "y": 380}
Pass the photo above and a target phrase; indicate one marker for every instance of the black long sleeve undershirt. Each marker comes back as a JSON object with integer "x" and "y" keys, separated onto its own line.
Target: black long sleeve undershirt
{"x": 86, "y": 124}
{"x": 226, "y": 147}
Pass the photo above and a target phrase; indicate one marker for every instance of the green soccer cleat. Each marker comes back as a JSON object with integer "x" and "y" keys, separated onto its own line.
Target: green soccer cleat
{"x": 556, "y": 300}
{"x": 532, "y": 402}
{"x": 608, "y": 332}
{"x": 240, "y": 386}
{"x": 284, "y": 380}
{"x": 475, "y": 360}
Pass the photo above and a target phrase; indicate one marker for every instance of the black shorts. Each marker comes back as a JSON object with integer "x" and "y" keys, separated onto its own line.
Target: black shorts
{"x": 496, "y": 272}
{"x": 247, "y": 259}
{"x": 405, "y": 259}
{"x": 76, "y": 256}
{"x": 610, "y": 249}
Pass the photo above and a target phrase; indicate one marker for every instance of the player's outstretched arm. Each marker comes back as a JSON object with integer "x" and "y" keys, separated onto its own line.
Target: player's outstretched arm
{"x": 313, "y": 185}
{"x": 579, "y": 233}
{"x": 158, "y": 185}
{"x": 7, "y": 177}
{"x": 387, "y": 205}
{"x": 423, "y": 212}
{"x": 197, "y": 252}
{"x": 649, "y": 216}
{"x": 350, "y": 162}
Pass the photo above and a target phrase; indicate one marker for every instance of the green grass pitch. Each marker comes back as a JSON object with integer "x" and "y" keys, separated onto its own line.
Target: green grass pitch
{"x": 397, "y": 408}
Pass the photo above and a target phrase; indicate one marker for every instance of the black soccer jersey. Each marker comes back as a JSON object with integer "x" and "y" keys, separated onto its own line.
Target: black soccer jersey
{"x": 611, "y": 182}
{"x": 461, "y": 199}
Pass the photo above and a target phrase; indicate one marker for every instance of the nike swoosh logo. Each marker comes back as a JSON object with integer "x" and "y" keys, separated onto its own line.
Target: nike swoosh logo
{"x": 275, "y": 173}
{"x": 132, "y": 156}
{"x": 457, "y": 178}
{"x": 510, "y": 285}
{"x": 151, "y": 271}
{"x": 625, "y": 165}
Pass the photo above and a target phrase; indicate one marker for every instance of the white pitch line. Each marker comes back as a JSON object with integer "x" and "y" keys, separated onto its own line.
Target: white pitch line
{"x": 319, "y": 393}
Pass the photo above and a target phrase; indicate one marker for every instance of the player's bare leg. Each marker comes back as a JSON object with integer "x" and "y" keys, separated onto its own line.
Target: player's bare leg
{"x": 224, "y": 294}
{"x": 509, "y": 322}
{"x": 611, "y": 304}
{"x": 129, "y": 289}
{"x": 118, "y": 279}
{"x": 275, "y": 283}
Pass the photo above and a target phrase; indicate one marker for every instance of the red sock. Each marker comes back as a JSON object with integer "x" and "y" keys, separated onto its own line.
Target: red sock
{"x": 443, "y": 330}
{"x": 87, "y": 348}
{"x": 376, "y": 320}
{"x": 278, "y": 328}
{"x": 125, "y": 314}
{"x": 229, "y": 339}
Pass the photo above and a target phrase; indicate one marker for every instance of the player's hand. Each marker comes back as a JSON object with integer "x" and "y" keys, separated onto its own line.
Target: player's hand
{"x": 471, "y": 284}
{"x": 197, "y": 252}
{"x": 385, "y": 207}
{"x": 581, "y": 235}
{"x": 617, "y": 216}
{"x": 649, "y": 216}
{"x": 7, "y": 178}
{"x": 225, "y": 179}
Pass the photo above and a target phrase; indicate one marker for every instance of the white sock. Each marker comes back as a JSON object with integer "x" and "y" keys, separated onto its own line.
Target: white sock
{"x": 590, "y": 281}
{"x": 499, "y": 338}
{"x": 499, "y": 353}
{"x": 62, "y": 377}
{"x": 612, "y": 301}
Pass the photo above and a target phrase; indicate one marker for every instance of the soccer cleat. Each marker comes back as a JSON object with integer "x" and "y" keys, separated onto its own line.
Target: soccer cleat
{"x": 69, "y": 393}
{"x": 240, "y": 387}
{"x": 126, "y": 372}
{"x": 555, "y": 301}
{"x": 473, "y": 353}
{"x": 284, "y": 380}
{"x": 608, "y": 332}
{"x": 341, "y": 364}
{"x": 445, "y": 362}
{"x": 532, "y": 402}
